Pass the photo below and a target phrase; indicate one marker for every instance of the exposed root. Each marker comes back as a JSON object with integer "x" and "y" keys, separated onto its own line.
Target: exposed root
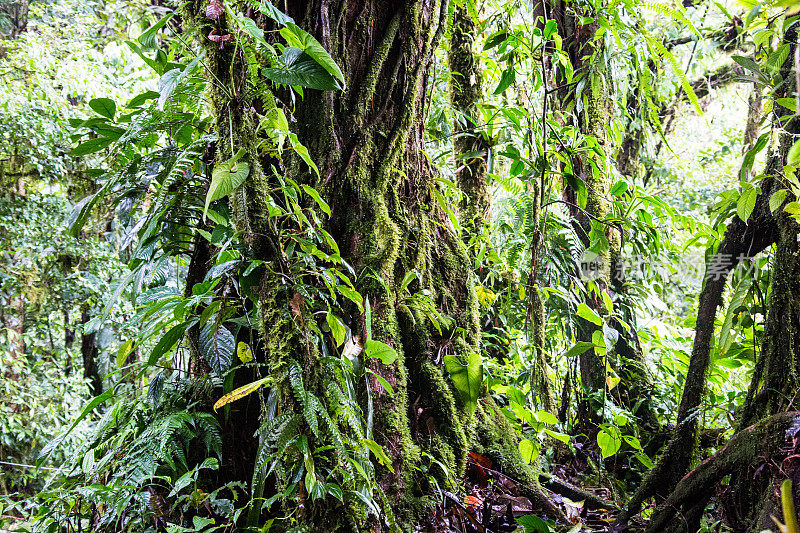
{"x": 564, "y": 488}
{"x": 683, "y": 508}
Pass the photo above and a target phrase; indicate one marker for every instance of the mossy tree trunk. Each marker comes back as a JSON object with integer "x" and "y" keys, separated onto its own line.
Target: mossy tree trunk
{"x": 470, "y": 147}
{"x": 586, "y": 55}
{"x": 767, "y": 395}
{"x": 367, "y": 142}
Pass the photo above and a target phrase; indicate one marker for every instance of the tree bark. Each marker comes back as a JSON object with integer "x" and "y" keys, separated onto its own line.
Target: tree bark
{"x": 367, "y": 143}
{"x": 89, "y": 355}
{"x": 470, "y": 147}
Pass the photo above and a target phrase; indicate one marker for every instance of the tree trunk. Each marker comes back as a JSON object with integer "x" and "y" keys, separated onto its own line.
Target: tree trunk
{"x": 89, "y": 355}
{"x": 367, "y": 142}
{"x": 470, "y": 147}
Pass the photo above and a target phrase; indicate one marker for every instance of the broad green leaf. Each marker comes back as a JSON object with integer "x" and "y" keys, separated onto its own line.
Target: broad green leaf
{"x": 241, "y": 392}
{"x": 793, "y": 157}
{"x": 619, "y": 188}
{"x": 528, "y": 450}
{"x": 104, "y": 106}
{"x": 788, "y": 103}
{"x": 793, "y": 208}
{"x": 379, "y": 454}
{"x": 338, "y": 329}
{"x": 495, "y": 39}
{"x": 609, "y": 440}
{"x": 467, "y": 379}
{"x": 296, "y": 67}
{"x": 80, "y": 213}
{"x": 226, "y": 178}
{"x": 167, "y": 85}
{"x": 587, "y": 313}
{"x": 746, "y": 203}
{"x": 558, "y": 436}
{"x": 508, "y": 77}
{"x": 546, "y": 417}
{"x": 92, "y": 146}
{"x": 148, "y": 37}
{"x": 777, "y": 199}
{"x": 308, "y": 44}
{"x": 352, "y": 295}
{"x": 317, "y": 198}
{"x": 166, "y": 342}
{"x": 385, "y": 384}
{"x": 123, "y": 352}
{"x": 273, "y": 12}
{"x": 380, "y": 350}
{"x": 170, "y": 80}
{"x": 579, "y": 348}
{"x": 216, "y": 347}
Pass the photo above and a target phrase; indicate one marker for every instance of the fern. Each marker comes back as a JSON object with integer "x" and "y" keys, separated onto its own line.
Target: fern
{"x": 662, "y": 51}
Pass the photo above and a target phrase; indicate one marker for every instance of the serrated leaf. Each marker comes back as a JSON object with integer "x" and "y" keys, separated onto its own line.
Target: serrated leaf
{"x": 104, "y": 106}
{"x": 793, "y": 208}
{"x": 587, "y": 313}
{"x": 793, "y": 157}
{"x": 240, "y": 393}
{"x": 216, "y": 347}
{"x": 226, "y": 178}
{"x": 380, "y": 350}
{"x": 777, "y": 58}
{"x": 749, "y": 64}
{"x": 467, "y": 379}
{"x": 777, "y": 199}
{"x": 746, "y": 203}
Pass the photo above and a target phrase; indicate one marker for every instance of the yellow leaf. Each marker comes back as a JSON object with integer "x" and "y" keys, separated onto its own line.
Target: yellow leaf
{"x": 244, "y": 352}
{"x": 241, "y": 392}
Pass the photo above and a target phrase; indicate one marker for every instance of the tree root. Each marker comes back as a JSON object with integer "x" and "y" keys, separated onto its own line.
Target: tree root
{"x": 683, "y": 508}
{"x": 564, "y": 488}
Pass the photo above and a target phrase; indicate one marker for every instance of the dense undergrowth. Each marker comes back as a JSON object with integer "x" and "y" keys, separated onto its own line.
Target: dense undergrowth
{"x": 196, "y": 339}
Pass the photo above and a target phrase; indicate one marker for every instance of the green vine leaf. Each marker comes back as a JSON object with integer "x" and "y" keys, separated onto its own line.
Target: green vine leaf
{"x": 467, "y": 379}
{"x": 380, "y": 350}
{"x": 297, "y": 68}
{"x": 226, "y": 178}
{"x": 308, "y": 44}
